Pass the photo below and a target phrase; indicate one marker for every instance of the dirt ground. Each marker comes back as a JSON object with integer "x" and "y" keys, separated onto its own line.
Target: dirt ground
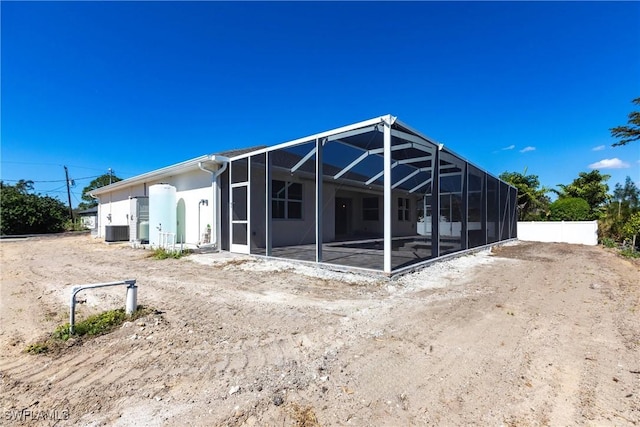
{"x": 528, "y": 334}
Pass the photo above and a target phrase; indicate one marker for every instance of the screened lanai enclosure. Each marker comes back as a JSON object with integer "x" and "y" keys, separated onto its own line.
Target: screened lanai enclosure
{"x": 375, "y": 195}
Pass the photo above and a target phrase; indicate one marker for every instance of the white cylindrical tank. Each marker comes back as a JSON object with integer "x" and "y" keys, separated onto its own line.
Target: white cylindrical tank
{"x": 162, "y": 213}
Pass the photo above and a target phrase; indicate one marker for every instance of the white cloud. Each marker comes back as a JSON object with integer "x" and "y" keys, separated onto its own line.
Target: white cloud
{"x": 527, "y": 149}
{"x": 614, "y": 163}
{"x": 599, "y": 148}
{"x": 511, "y": 147}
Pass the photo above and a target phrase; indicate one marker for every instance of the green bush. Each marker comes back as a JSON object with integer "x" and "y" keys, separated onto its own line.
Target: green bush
{"x": 28, "y": 213}
{"x": 98, "y": 324}
{"x": 162, "y": 253}
{"x": 630, "y": 253}
{"x": 569, "y": 209}
{"x": 75, "y": 225}
{"x": 608, "y": 242}
{"x": 631, "y": 228}
{"x": 94, "y": 325}
{"x": 38, "y": 348}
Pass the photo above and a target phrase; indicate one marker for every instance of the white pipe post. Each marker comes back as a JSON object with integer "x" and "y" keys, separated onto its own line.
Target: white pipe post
{"x": 72, "y": 309}
{"x": 131, "y": 304}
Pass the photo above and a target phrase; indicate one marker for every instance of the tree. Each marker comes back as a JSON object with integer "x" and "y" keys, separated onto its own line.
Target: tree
{"x": 569, "y": 209}
{"x": 101, "y": 181}
{"x": 532, "y": 199}
{"x": 627, "y": 195}
{"x": 630, "y": 132}
{"x": 590, "y": 186}
{"x": 631, "y": 228}
{"x": 624, "y": 203}
{"x": 26, "y": 213}
{"x": 23, "y": 186}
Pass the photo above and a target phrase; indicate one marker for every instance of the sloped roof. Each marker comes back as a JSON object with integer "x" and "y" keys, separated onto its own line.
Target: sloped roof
{"x": 88, "y": 212}
{"x": 360, "y": 160}
{"x": 182, "y": 167}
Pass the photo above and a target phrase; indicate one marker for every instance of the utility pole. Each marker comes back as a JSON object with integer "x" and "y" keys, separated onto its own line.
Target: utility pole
{"x": 66, "y": 172}
{"x": 110, "y": 176}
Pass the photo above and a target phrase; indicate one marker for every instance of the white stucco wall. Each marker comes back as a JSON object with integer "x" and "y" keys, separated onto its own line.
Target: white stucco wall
{"x": 191, "y": 187}
{"x": 575, "y": 232}
{"x": 114, "y": 207}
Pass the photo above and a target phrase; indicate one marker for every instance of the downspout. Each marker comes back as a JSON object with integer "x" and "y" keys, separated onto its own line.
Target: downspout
{"x": 215, "y": 190}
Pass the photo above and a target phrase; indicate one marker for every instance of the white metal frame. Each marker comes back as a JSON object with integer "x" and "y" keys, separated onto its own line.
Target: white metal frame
{"x": 387, "y": 204}
{"x": 234, "y": 247}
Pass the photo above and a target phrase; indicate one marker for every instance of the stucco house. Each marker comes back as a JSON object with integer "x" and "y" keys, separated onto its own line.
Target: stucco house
{"x": 360, "y": 196}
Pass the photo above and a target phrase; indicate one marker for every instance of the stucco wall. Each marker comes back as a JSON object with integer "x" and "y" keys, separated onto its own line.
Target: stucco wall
{"x": 114, "y": 207}
{"x": 366, "y": 228}
{"x": 287, "y": 232}
{"x": 191, "y": 187}
{"x": 576, "y": 232}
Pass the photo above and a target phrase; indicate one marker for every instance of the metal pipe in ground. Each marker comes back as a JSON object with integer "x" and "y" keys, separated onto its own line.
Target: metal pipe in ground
{"x": 131, "y": 303}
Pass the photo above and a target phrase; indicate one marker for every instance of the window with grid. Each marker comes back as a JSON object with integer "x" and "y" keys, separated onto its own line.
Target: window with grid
{"x": 370, "y": 210}
{"x": 403, "y": 209}
{"x": 286, "y": 200}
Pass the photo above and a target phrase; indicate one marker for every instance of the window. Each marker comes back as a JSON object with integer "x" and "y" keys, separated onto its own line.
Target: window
{"x": 403, "y": 209}
{"x": 370, "y": 209}
{"x": 286, "y": 200}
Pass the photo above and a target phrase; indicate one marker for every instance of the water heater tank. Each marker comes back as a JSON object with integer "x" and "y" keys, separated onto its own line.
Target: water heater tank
{"x": 162, "y": 212}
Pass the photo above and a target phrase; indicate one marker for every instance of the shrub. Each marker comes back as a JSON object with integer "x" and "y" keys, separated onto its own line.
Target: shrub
{"x": 162, "y": 253}
{"x": 38, "y": 348}
{"x": 631, "y": 228}
{"x": 28, "y": 213}
{"x": 569, "y": 209}
{"x": 98, "y": 324}
{"x": 629, "y": 253}
{"x": 608, "y": 242}
{"x": 94, "y": 325}
{"x": 76, "y": 225}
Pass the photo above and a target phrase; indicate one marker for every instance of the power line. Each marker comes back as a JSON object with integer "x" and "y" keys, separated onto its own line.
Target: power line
{"x": 54, "y": 190}
{"x": 76, "y": 197}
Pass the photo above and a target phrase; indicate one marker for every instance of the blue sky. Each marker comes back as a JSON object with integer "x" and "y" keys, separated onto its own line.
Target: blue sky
{"x": 136, "y": 86}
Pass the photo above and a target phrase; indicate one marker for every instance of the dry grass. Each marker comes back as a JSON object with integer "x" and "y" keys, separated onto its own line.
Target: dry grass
{"x": 234, "y": 263}
{"x": 303, "y": 416}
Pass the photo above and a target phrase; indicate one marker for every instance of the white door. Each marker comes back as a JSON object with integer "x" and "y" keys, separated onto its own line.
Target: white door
{"x": 239, "y": 210}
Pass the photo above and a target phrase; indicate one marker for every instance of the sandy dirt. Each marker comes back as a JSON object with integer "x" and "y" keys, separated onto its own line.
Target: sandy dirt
{"x": 529, "y": 334}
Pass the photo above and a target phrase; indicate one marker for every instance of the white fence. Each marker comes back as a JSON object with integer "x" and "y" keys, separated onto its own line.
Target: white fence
{"x": 576, "y": 232}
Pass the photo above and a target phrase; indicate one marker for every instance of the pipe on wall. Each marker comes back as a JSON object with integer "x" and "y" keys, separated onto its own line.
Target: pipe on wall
{"x": 215, "y": 189}
{"x": 203, "y": 202}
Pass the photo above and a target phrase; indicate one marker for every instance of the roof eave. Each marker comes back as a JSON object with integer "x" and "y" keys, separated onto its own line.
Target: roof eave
{"x": 167, "y": 171}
